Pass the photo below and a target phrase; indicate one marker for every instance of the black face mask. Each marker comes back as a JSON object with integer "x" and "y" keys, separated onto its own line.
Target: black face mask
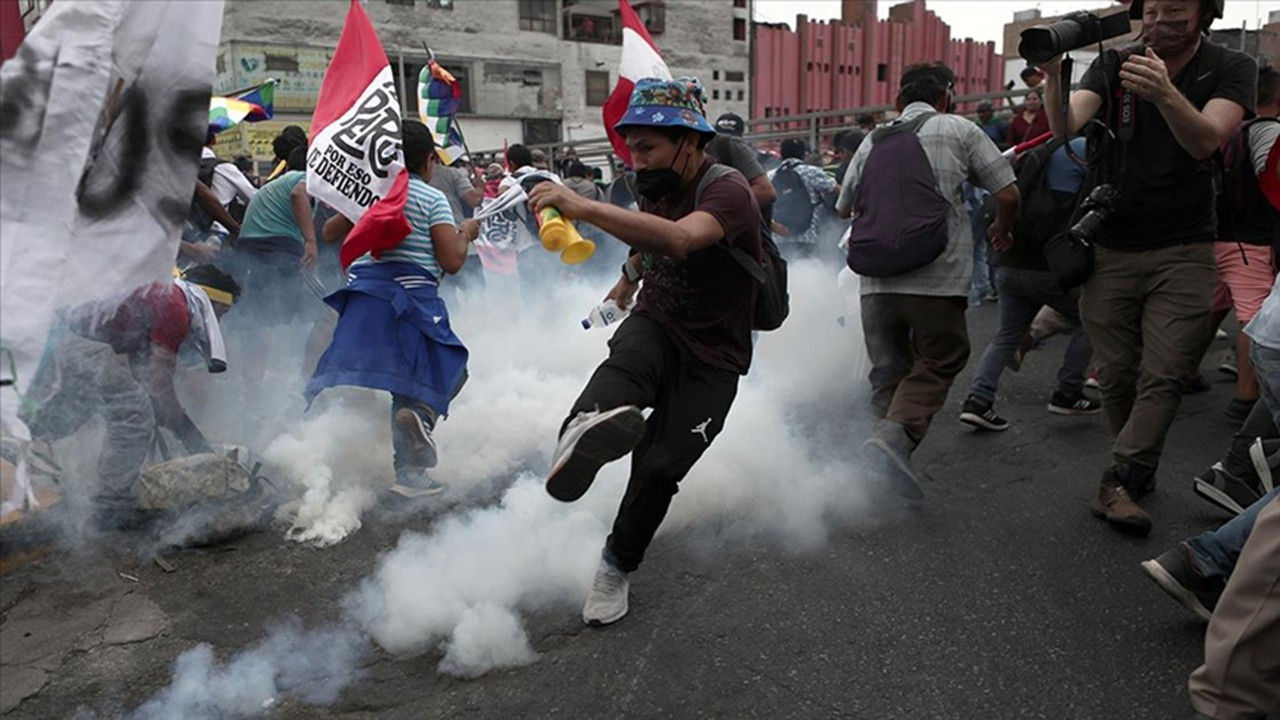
{"x": 658, "y": 183}
{"x": 1170, "y": 38}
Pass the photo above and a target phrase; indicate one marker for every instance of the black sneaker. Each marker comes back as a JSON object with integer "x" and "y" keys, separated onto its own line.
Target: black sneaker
{"x": 977, "y": 413}
{"x": 1176, "y": 573}
{"x": 590, "y": 441}
{"x": 1195, "y": 384}
{"x": 1238, "y": 409}
{"x": 1225, "y": 491}
{"x": 1063, "y": 404}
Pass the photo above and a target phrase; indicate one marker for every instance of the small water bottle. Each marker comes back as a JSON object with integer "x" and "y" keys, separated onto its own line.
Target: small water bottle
{"x": 606, "y": 313}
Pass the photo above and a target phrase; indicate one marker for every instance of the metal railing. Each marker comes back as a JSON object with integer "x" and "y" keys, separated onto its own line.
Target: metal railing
{"x": 812, "y": 126}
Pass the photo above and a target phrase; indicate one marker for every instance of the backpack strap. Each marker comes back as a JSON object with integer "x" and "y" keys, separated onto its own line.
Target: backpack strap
{"x": 748, "y": 263}
{"x": 914, "y": 125}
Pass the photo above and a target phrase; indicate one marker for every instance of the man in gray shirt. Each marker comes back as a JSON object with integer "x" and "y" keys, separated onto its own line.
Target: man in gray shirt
{"x": 457, "y": 187}
{"x": 728, "y": 148}
{"x": 914, "y": 323}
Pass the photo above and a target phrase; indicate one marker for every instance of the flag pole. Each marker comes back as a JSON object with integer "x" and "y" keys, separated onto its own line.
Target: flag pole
{"x": 475, "y": 167}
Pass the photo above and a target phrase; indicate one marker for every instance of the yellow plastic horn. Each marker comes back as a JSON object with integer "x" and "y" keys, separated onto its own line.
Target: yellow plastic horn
{"x": 578, "y": 252}
{"x": 559, "y": 235}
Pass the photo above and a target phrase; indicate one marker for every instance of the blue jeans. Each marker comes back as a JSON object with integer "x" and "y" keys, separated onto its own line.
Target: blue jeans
{"x": 981, "y": 286}
{"x": 1022, "y": 294}
{"x": 1216, "y": 551}
{"x": 405, "y": 457}
{"x": 1266, "y": 366}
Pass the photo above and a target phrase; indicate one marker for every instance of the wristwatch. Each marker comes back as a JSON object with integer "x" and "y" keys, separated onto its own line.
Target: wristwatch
{"x": 630, "y": 271}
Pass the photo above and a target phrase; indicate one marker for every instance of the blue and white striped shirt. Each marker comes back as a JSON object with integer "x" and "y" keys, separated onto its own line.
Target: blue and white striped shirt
{"x": 425, "y": 208}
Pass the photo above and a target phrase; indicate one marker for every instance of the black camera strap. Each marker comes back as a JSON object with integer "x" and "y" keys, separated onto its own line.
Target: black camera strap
{"x": 1125, "y": 130}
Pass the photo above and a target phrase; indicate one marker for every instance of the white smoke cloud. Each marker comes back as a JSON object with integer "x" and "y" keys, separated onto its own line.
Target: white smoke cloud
{"x": 781, "y": 470}
{"x": 313, "y": 667}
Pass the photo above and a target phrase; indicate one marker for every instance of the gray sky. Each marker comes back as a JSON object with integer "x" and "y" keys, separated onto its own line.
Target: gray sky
{"x": 985, "y": 19}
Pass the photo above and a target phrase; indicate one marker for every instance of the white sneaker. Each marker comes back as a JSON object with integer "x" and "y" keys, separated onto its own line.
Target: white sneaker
{"x": 607, "y": 602}
{"x": 591, "y": 440}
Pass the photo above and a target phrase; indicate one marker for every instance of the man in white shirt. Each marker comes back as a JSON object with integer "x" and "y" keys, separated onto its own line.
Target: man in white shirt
{"x": 228, "y": 183}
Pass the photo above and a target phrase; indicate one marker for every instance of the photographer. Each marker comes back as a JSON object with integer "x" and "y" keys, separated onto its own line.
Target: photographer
{"x": 1148, "y": 299}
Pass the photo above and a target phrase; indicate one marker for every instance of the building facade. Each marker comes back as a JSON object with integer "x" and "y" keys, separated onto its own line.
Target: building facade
{"x": 532, "y": 71}
{"x": 856, "y": 61}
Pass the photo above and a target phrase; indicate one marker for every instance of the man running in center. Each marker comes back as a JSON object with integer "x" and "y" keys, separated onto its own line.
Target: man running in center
{"x": 689, "y": 339}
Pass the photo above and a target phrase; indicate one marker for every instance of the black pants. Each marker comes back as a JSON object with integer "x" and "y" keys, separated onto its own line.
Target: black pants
{"x": 651, "y": 368}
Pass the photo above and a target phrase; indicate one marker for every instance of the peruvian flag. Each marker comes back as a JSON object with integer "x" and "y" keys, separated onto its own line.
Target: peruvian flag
{"x": 640, "y": 59}
{"x": 356, "y": 159}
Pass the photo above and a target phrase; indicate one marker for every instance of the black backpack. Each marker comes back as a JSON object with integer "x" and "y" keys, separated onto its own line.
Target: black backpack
{"x": 772, "y": 301}
{"x": 197, "y": 215}
{"x": 901, "y": 220}
{"x": 1244, "y": 213}
{"x": 793, "y": 209}
{"x": 1043, "y": 212}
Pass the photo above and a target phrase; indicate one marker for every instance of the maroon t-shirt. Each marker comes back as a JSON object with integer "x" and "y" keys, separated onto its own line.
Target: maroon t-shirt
{"x": 708, "y": 299}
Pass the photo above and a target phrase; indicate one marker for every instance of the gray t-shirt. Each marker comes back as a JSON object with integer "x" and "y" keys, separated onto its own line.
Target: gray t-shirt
{"x": 454, "y": 184}
{"x": 737, "y": 154}
{"x": 958, "y": 150}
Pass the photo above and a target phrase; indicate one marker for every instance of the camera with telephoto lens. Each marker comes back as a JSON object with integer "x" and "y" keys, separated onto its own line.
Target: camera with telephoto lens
{"x": 1045, "y": 42}
{"x": 1097, "y": 209}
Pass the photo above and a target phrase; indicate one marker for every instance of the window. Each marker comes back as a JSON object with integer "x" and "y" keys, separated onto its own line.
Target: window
{"x": 541, "y": 132}
{"x": 882, "y": 72}
{"x": 739, "y": 29}
{"x": 400, "y": 2}
{"x": 592, "y": 28}
{"x": 739, "y": 3}
{"x": 715, "y": 94}
{"x": 741, "y": 95}
{"x": 734, "y": 75}
{"x": 597, "y": 87}
{"x": 653, "y": 14}
{"x": 715, "y": 74}
{"x": 538, "y": 15}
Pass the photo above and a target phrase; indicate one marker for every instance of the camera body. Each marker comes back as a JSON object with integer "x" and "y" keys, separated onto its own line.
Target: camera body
{"x": 1043, "y": 42}
{"x": 1098, "y": 207}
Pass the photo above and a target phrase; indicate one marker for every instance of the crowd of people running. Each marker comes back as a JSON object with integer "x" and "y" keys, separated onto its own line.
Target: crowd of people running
{"x": 1133, "y": 217}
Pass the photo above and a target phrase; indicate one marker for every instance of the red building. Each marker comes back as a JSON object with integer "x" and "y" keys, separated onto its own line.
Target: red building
{"x": 856, "y": 61}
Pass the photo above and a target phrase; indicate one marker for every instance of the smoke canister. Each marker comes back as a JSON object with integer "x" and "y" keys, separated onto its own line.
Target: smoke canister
{"x": 559, "y": 235}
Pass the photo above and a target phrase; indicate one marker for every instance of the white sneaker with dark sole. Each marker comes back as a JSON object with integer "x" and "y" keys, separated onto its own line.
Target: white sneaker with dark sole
{"x": 589, "y": 442}
{"x": 415, "y": 429}
{"x": 607, "y": 601}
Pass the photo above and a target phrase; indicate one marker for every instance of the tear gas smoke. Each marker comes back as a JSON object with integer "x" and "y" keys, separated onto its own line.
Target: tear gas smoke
{"x": 781, "y": 471}
{"x": 313, "y": 666}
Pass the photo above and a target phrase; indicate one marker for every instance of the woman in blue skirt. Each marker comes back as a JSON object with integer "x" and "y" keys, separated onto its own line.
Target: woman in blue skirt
{"x": 393, "y": 328}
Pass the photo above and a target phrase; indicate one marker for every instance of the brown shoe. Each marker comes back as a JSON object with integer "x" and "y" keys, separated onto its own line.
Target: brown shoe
{"x": 1116, "y": 507}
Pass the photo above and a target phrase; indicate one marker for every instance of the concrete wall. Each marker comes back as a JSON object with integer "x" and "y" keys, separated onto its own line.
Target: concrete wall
{"x": 515, "y": 75}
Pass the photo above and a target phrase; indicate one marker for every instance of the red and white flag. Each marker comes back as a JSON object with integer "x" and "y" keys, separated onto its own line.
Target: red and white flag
{"x": 356, "y": 159}
{"x": 640, "y": 59}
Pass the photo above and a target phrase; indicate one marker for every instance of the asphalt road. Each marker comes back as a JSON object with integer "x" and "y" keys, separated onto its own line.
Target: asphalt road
{"x": 1001, "y": 597}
